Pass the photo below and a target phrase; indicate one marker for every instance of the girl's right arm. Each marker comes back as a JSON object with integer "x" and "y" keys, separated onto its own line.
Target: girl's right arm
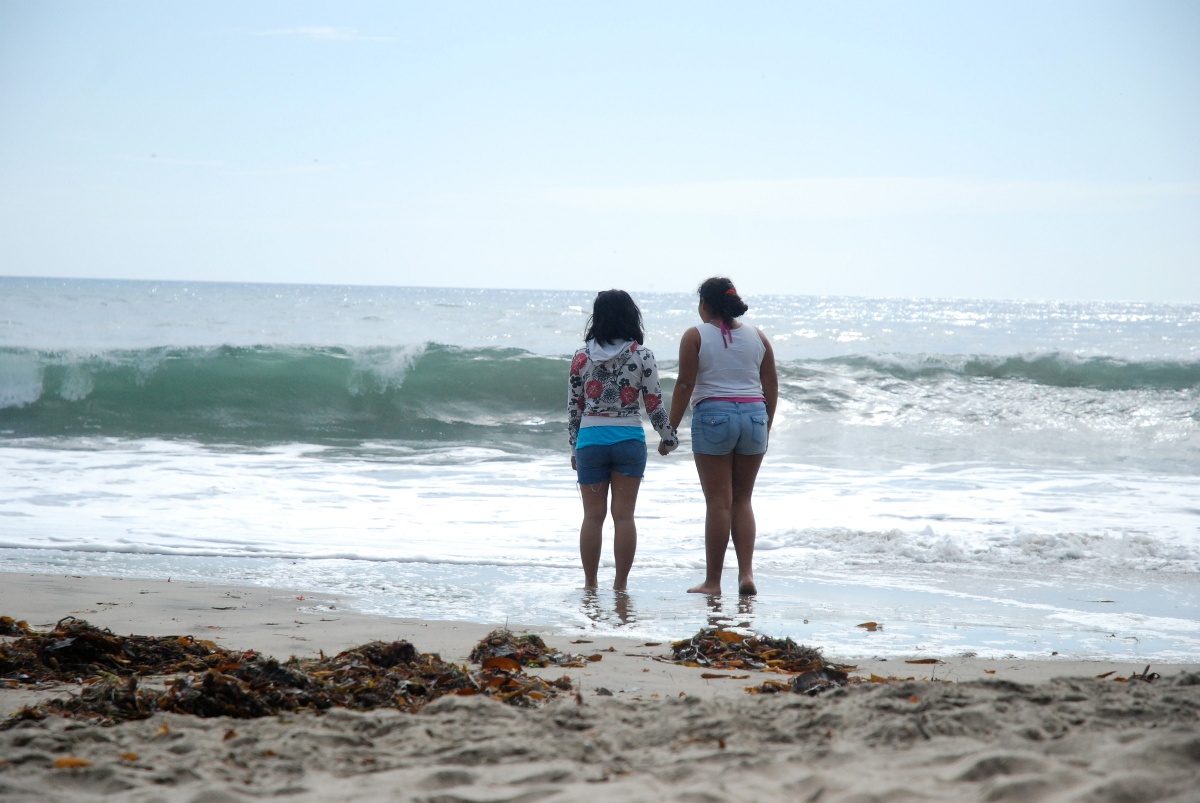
{"x": 575, "y": 399}
{"x": 689, "y": 362}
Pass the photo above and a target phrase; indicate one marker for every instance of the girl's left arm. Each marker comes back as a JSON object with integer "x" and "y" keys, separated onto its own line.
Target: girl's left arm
{"x": 653, "y": 400}
{"x": 769, "y": 378}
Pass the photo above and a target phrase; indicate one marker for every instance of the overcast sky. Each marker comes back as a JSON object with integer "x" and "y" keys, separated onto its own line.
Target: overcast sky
{"x": 1046, "y": 150}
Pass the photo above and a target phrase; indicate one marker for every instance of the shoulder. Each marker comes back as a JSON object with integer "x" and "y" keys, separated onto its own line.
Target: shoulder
{"x": 641, "y": 352}
{"x": 767, "y": 351}
{"x": 690, "y": 344}
{"x": 579, "y": 361}
{"x": 759, "y": 333}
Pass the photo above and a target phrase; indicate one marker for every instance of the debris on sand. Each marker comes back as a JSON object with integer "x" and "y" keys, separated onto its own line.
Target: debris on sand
{"x": 211, "y": 681}
{"x": 718, "y": 648}
{"x": 528, "y": 650}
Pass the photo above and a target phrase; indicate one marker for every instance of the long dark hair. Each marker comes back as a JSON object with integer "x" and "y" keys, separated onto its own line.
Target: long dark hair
{"x": 721, "y": 297}
{"x": 614, "y": 317}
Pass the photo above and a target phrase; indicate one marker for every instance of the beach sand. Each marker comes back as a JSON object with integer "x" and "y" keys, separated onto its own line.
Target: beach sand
{"x": 639, "y": 729}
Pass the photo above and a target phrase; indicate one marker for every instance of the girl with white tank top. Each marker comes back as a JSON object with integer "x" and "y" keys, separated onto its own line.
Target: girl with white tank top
{"x": 727, "y": 375}
{"x": 729, "y": 364}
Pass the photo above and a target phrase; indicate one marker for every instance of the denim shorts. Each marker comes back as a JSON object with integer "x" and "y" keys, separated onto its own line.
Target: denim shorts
{"x": 595, "y": 464}
{"x": 721, "y": 427}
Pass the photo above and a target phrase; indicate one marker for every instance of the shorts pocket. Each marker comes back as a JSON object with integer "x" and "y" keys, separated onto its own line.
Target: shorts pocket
{"x": 758, "y": 429}
{"x": 712, "y": 433}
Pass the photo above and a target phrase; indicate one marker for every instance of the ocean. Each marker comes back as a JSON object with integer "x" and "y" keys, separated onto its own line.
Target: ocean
{"x": 1000, "y": 478}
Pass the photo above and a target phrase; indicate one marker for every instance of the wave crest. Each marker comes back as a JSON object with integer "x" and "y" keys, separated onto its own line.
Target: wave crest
{"x": 429, "y": 392}
{"x": 1055, "y": 369}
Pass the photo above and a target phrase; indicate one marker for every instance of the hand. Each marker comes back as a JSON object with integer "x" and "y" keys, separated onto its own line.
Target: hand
{"x": 573, "y": 466}
{"x": 664, "y": 449}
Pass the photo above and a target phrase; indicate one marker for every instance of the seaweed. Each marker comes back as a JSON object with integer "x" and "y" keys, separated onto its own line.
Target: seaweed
{"x": 528, "y": 650}
{"x": 718, "y": 648}
{"x": 212, "y": 682}
{"x": 501, "y": 654}
{"x": 75, "y": 649}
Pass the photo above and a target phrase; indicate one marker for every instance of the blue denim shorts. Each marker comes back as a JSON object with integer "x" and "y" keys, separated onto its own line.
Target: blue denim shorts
{"x": 721, "y": 427}
{"x": 594, "y": 464}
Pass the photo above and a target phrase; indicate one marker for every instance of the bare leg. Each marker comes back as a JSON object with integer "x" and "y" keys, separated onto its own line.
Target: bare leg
{"x": 591, "y": 532}
{"x": 716, "y": 480}
{"x": 742, "y": 526}
{"x": 624, "y": 500}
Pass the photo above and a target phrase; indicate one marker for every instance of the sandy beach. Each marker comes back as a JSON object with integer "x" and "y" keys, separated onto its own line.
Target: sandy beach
{"x": 635, "y": 727}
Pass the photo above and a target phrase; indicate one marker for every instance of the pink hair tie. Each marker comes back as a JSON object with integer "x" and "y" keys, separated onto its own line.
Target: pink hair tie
{"x": 731, "y": 292}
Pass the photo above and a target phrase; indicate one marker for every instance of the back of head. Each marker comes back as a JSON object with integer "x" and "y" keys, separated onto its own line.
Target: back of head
{"x": 614, "y": 318}
{"x": 722, "y": 298}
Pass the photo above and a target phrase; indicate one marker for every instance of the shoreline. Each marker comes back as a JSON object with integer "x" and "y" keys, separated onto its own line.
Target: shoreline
{"x": 999, "y": 614}
{"x": 634, "y": 728}
{"x": 282, "y": 623}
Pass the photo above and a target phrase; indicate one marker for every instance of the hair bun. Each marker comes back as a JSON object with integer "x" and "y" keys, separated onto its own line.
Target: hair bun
{"x": 722, "y": 298}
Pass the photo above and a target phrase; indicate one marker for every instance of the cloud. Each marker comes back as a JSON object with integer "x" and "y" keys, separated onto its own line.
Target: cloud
{"x": 849, "y": 198}
{"x": 326, "y": 34}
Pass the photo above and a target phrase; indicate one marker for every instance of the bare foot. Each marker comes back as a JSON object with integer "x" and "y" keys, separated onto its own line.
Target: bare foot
{"x": 619, "y": 587}
{"x": 746, "y": 588}
{"x": 706, "y": 588}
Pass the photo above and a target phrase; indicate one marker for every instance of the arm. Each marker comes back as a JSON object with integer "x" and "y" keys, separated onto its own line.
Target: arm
{"x": 652, "y": 398}
{"x": 689, "y": 362}
{"x": 574, "y": 408}
{"x": 769, "y": 378}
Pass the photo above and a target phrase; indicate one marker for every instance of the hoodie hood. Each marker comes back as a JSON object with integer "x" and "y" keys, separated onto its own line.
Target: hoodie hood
{"x": 603, "y": 352}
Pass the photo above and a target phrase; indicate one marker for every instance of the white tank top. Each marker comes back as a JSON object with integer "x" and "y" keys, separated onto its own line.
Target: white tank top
{"x": 728, "y": 371}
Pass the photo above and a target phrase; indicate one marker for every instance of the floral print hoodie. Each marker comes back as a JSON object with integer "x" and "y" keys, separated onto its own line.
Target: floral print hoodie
{"x": 607, "y": 379}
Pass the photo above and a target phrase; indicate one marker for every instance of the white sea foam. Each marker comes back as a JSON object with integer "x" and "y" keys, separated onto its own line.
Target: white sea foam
{"x": 20, "y": 380}
{"x": 385, "y": 368}
{"x": 334, "y": 522}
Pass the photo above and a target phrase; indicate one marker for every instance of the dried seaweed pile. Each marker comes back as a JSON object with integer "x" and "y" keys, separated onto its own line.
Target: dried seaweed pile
{"x": 216, "y": 682}
{"x": 75, "y": 650}
{"x": 717, "y": 648}
{"x": 527, "y": 650}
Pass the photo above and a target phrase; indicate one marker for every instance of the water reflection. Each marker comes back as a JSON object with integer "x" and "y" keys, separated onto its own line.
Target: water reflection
{"x": 620, "y": 613}
{"x": 723, "y": 614}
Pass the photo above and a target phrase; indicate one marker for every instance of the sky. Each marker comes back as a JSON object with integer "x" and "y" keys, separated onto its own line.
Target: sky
{"x": 1020, "y": 150}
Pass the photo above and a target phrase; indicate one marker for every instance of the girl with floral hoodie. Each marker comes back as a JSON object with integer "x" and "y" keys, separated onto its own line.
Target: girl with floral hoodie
{"x": 608, "y": 377}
